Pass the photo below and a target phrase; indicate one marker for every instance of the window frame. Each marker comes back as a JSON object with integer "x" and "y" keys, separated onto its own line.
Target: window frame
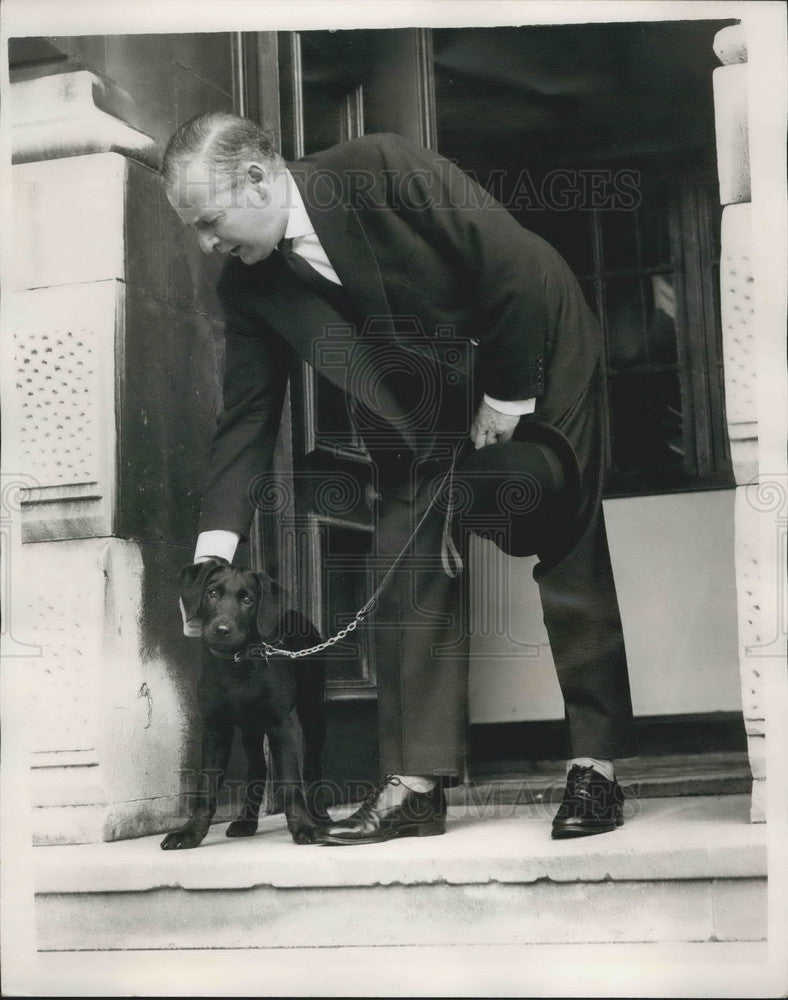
{"x": 694, "y": 216}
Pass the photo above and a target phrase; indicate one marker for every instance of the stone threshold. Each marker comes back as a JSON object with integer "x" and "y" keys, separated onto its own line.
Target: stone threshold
{"x": 672, "y": 839}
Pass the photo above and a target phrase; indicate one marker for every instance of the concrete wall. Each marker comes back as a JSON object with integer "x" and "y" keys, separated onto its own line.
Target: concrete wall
{"x": 118, "y": 341}
{"x": 673, "y": 560}
{"x": 112, "y": 338}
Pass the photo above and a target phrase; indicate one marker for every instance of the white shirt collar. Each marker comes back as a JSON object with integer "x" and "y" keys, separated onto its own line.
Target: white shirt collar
{"x": 298, "y": 222}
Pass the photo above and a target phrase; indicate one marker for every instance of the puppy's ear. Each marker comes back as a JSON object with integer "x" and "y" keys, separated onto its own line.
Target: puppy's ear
{"x": 192, "y": 580}
{"x": 269, "y": 606}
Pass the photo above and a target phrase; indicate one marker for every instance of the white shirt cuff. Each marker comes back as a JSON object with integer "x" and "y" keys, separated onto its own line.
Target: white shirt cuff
{"x": 220, "y": 543}
{"x": 514, "y": 407}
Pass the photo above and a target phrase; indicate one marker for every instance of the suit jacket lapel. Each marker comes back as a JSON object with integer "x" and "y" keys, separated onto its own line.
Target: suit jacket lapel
{"x": 300, "y": 315}
{"x": 340, "y": 232}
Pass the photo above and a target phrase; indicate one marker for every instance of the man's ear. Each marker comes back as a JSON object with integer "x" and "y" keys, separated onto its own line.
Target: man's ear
{"x": 256, "y": 174}
{"x": 192, "y": 582}
{"x": 259, "y": 180}
{"x": 269, "y": 605}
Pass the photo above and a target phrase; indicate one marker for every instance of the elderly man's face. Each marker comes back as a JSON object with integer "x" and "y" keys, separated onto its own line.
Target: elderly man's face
{"x": 246, "y": 219}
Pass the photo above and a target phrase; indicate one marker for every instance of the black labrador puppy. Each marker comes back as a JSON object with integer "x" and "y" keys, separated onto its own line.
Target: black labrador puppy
{"x": 237, "y": 608}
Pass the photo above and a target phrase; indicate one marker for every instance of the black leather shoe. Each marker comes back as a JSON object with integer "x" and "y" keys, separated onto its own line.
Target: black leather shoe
{"x": 392, "y": 810}
{"x": 591, "y": 804}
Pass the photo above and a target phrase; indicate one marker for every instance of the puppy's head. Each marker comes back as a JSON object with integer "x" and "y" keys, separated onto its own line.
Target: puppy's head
{"x": 231, "y": 608}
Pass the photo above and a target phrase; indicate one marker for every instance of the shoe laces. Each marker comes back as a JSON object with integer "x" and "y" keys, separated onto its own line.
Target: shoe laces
{"x": 581, "y": 780}
{"x": 389, "y": 779}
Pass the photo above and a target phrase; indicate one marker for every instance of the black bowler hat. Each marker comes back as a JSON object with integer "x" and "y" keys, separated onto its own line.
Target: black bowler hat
{"x": 523, "y": 493}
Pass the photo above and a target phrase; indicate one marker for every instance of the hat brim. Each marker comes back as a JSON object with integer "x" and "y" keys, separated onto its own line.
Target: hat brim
{"x": 539, "y": 474}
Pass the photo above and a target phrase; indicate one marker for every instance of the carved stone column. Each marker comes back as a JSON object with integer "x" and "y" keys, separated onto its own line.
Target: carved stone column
{"x": 110, "y": 308}
{"x": 75, "y": 112}
{"x": 740, "y": 362}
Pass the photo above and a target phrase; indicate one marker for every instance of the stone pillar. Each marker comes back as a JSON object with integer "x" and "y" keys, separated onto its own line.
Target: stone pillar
{"x": 109, "y": 316}
{"x": 740, "y": 363}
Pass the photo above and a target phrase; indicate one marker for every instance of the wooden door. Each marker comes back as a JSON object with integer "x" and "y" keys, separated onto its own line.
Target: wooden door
{"x": 333, "y": 86}
{"x": 310, "y": 90}
{"x": 330, "y": 525}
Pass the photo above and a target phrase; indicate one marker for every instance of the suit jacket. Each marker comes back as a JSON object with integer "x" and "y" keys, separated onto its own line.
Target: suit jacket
{"x": 444, "y": 283}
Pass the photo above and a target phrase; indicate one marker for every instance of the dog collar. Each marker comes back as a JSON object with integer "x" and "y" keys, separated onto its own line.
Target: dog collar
{"x": 245, "y": 655}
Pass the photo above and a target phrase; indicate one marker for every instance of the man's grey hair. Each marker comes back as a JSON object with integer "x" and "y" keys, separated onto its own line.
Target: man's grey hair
{"x": 224, "y": 141}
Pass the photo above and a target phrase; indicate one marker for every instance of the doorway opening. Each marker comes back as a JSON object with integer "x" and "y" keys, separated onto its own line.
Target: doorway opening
{"x": 600, "y": 138}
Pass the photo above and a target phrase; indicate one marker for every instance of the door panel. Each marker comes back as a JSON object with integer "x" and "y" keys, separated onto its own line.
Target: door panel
{"x": 325, "y": 81}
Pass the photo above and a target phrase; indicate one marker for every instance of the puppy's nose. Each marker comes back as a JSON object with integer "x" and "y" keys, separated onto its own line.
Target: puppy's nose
{"x": 222, "y": 630}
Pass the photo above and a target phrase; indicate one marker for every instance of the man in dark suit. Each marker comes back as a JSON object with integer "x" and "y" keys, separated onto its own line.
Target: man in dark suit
{"x": 375, "y": 233}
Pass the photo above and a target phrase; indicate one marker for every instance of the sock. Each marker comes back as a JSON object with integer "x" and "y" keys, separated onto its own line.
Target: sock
{"x": 604, "y": 767}
{"x": 417, "y": 782}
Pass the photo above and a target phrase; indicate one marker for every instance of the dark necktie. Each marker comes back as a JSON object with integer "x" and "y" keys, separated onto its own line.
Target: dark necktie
{"x": 387, "y": 402}
{"x": 304, "y": 270}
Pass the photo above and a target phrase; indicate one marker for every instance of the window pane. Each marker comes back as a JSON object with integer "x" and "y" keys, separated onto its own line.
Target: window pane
{"x": 641, "y": 323}
{"x": 624, "y": 303}
{"x": 638, "y": 238}
{"x": 660, "y": 315}
{"x": 325, "y": 85}
{"x": 646, "y": 422}
{"x": 323, "y": 116}
{"x": 619, "y": 240}
{"x": 654, "y": 229}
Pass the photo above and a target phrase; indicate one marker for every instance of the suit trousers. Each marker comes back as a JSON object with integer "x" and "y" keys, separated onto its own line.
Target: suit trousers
{"x": 422, "y": 627}
{"x": 580, "y": 605}
{"x": 421, "y": 645}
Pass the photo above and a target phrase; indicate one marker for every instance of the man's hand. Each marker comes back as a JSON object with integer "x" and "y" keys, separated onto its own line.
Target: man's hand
{"x": 490, "y": 426}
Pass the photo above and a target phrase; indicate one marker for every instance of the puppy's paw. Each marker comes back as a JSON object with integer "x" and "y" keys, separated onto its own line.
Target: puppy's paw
{"x": 241, "y": 828}
{"x": 191, "y": 834}
{"x": 302, "y": 833}
{"x": 184, "y": 839}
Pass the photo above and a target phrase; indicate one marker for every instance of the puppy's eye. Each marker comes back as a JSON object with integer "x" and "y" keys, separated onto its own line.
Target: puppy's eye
{"x": 213, "y": 592}
{"x": 247, "y": 600}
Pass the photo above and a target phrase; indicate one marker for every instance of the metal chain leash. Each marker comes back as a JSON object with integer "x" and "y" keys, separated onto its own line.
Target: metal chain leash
{"x": 266, "y": 649}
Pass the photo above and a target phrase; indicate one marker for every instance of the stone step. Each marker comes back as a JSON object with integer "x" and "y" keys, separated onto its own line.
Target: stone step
{"x": 679, "y": 870}
{"x": 666, "y": 775}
